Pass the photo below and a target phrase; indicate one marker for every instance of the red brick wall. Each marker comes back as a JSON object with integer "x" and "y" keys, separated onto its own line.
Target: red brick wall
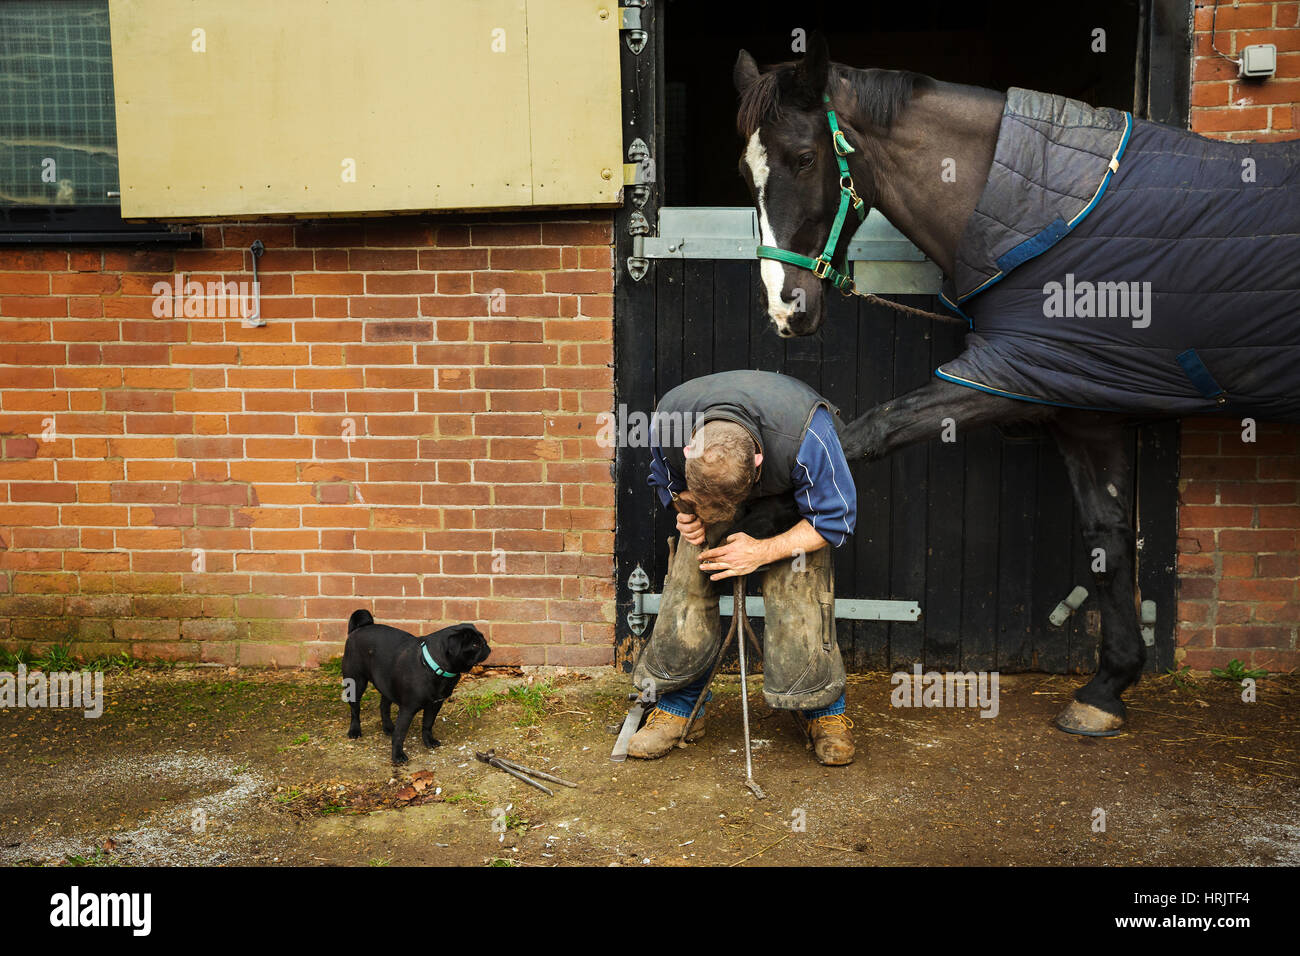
{"x": 473, "y": 487}
{"x": 1239, "y": 520}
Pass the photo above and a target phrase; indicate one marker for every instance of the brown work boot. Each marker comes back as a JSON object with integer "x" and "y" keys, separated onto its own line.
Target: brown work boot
{"x": 660, "y": 734}
{"x": 830, "y": 738}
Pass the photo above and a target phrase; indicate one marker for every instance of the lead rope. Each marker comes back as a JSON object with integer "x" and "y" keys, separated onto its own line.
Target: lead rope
{"x": 907, "y": 309}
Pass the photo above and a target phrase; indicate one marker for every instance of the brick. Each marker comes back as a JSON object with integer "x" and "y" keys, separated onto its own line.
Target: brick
{"x": 394, "y": 232}
{"x": 1252, "y": 635}
{"x": 206, "y": 434}
{"x": 1257, "y": 540}
{"x": 25, "y": 283}
{"x": 329, "y": 284}
{"x": 1255, "y": 589}
{"x": 1227, "y": 17}
{"x": 414, "y": 331}
{"x": 578, "y": 233}
{"x": 574, "y": 280}
{"x": 458, "y": 260}
{"x": 1224, "y": 120}
{"x": 525, "y": 257}
{"x": 412, "y": 284}
{"x": 505, "y": 234}
{"x": 1215, "y": 516}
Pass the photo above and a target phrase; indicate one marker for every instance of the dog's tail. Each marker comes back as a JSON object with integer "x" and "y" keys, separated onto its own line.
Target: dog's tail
{"x": 360, "y": 618}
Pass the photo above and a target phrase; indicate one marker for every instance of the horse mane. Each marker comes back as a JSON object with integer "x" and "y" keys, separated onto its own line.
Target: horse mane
{"x": 881, "y": 95}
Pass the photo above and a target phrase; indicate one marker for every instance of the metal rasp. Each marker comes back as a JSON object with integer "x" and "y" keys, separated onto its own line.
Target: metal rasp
{"x": 630, "y": 724}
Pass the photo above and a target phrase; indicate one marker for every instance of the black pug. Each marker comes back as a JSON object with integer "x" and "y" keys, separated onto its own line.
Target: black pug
{"x": 418, "y": 673}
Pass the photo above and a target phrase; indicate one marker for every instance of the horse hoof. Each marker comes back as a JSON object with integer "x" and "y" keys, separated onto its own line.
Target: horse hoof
{"x": 1089, "y": 721}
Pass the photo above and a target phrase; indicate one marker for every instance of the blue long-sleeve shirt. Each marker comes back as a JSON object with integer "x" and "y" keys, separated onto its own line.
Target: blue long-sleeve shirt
{"x": 823, "y": 487}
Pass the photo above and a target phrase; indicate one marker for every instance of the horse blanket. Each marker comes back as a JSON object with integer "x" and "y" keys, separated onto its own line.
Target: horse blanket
{"x": 1122, "y": 265}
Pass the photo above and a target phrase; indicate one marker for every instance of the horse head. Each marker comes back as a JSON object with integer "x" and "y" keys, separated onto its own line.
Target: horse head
{"x": 807, "y": 128}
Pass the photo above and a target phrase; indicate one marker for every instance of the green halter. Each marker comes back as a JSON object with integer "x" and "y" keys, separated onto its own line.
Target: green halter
{"x": 821, "y": 266}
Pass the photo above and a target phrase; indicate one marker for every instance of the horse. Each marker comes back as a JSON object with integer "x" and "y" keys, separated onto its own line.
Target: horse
{"x": 824, "y": 141}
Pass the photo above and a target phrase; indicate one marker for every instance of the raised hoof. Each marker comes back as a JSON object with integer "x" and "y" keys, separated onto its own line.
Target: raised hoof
{"x": 1089, "y": 721}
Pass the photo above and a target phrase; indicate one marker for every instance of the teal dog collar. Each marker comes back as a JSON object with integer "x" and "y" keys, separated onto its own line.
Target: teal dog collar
{"x": 433, "y": 665}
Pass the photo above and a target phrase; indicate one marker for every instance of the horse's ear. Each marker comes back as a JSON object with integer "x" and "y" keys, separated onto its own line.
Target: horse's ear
{"x": 745, "y": 71}
{"x": 813, "y": 73}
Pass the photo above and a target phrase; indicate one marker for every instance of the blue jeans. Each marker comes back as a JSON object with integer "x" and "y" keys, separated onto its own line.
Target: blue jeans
{"x": 679, "y": 702}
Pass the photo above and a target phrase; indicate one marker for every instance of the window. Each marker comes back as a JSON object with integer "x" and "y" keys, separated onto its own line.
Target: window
{"x": 58, "y": 139}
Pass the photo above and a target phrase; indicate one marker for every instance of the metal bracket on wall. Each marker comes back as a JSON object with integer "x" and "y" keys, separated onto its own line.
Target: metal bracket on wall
{"x": 645, "y": 604}
{"x": 255, "y": 320}
{"x": 629, "y": 21}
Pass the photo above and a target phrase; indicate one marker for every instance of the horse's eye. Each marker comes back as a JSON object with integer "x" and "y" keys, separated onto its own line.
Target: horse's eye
{"x": 806, "y": 160}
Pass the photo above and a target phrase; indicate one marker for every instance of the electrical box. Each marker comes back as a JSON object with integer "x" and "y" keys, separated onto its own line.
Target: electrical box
{"x": 1258, "y": 60}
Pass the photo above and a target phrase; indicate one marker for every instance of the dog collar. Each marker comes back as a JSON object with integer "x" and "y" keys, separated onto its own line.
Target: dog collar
{"x": 433, "y": 665}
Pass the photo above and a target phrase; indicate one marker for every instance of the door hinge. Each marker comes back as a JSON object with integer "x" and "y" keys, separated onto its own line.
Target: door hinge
{"x": 629, "y": 21}
{"x": 638, "y": 583}
{"x": 638, "y": 175}
{"x": 638, "y": 227}
{"x": 639, "y": 172}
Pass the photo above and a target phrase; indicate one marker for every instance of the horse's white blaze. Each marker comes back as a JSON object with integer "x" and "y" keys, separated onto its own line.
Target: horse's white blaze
{"x": 773, "y": 272}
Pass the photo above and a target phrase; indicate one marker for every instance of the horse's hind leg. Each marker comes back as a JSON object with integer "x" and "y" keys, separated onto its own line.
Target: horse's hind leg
{"x": 925, "y": 413}
{"x": 1099, "y": 460}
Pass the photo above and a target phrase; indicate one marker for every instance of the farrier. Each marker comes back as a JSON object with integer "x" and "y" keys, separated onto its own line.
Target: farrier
{"x": 762, "y": 444}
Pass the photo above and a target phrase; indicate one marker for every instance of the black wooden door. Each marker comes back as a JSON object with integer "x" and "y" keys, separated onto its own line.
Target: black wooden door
{"x": 982, "y": 532}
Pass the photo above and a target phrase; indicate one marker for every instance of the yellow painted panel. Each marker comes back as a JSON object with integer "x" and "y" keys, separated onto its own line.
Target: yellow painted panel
{"x": 574, "y": 105}
{"x": 429, "y": 99}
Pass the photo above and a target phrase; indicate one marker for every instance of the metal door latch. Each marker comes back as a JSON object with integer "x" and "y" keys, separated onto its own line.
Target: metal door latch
{"x": 1067, "y": 607}
{"x": 1149, "y": 623}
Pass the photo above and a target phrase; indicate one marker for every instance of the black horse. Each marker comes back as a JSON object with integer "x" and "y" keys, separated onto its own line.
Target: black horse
{"x": 821, "y": 138}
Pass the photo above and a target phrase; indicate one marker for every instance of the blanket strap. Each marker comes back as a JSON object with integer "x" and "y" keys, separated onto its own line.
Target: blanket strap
{"x": 1195, "y": 370}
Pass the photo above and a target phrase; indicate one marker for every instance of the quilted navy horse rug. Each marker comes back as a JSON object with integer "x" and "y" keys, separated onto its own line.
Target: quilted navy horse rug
{"x": 1122, "y": 265}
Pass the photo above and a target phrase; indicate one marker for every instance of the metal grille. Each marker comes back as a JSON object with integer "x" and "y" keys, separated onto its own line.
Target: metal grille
{"x": 58, "y": 139}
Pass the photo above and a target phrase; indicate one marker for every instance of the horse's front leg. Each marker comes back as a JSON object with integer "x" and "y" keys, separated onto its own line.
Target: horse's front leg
{"x": 926, "y": 413}
{"x": 1099, "y": 459}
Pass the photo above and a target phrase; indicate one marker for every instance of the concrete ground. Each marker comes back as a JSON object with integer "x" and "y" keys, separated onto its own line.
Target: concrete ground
{"x": 221, "y": 767}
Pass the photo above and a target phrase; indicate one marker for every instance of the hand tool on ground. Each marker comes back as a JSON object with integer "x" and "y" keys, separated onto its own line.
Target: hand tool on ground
{"x": 523, "y": 773}
{"x": 738, "y": 611}
{"x": 739, "y": 624}
{"x": 630, "y": 724}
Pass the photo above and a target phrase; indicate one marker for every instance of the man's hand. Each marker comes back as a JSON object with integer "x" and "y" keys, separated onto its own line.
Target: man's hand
{"x": 691, "y": 528}
{"x": 741, "y": 554}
